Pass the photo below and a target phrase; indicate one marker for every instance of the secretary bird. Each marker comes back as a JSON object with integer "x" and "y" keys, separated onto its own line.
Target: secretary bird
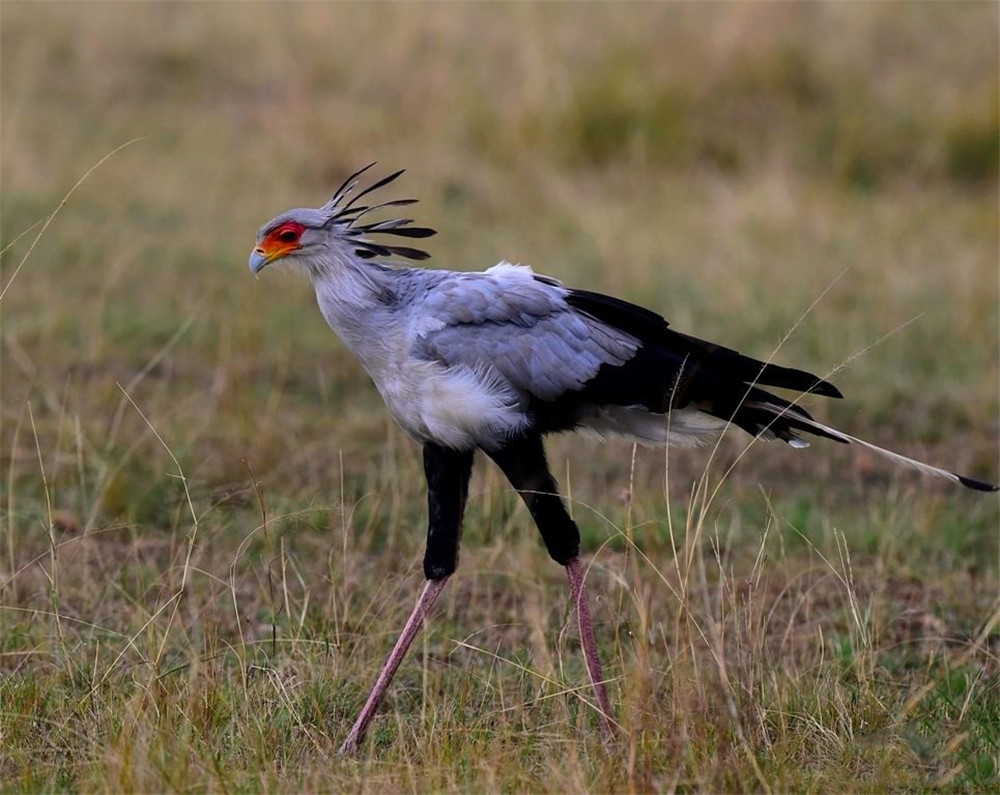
{"x": 496, "y": 360}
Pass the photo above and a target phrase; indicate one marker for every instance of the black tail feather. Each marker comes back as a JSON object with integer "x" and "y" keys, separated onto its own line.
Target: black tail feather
{"x": 978, "y": 485}
{"x": 804, "y": 422}
{"x": 759, "y": 412}
{"x": 673, "y": 370}
{"x": 753, "y": 371}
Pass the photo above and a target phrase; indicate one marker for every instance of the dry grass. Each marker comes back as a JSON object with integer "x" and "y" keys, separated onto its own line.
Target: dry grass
{"x": 210, "y": 531}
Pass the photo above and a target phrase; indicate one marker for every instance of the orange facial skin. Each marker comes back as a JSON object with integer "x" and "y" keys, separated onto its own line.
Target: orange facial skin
{"x": 280, "y": 241}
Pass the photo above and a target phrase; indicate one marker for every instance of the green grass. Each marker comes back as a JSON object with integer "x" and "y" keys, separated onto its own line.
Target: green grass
{"x": 204, "y": 606}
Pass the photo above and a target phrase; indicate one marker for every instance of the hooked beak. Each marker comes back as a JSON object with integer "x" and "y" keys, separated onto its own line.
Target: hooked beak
{"x": 269, "y": 252}
{"x": 258, "y": 259}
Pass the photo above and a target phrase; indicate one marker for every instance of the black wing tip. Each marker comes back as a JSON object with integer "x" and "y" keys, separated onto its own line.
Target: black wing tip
{"x": 977, "y": 485}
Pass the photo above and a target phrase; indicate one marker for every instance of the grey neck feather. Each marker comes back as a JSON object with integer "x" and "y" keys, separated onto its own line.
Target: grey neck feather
{"x": 357, "y": 300}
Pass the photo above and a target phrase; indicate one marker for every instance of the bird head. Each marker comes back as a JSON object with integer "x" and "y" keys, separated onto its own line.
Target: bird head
{"x": 318, "y": 236}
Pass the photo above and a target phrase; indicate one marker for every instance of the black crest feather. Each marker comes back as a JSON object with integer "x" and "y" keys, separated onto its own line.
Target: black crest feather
{"x": 346, "y": 216}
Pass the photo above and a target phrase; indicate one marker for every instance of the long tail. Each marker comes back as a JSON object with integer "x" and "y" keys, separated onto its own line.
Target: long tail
{"x": 799, "y": 420}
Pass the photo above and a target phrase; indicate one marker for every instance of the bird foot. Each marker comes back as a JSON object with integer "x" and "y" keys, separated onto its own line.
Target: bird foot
{"x": 609, "y": 737}
{"x": 351, "y": 747}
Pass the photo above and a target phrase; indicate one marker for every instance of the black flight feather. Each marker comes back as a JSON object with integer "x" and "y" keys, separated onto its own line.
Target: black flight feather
{"x": 652, "y": 329}
{"x": 636, "y": 320}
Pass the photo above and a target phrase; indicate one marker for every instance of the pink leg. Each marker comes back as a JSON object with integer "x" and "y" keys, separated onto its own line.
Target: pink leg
{"x": 578, "y": 591}
{"x": 430, "y": 593}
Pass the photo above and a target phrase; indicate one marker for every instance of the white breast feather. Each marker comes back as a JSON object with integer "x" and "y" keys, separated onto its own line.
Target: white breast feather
{"x": 458, "y": 407}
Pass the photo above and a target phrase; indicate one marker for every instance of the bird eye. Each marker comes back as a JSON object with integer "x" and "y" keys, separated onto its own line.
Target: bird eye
{"x": 287, "y": 235}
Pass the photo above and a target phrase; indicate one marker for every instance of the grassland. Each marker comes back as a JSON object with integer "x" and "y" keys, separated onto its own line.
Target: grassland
{"x": 210, "y": 531}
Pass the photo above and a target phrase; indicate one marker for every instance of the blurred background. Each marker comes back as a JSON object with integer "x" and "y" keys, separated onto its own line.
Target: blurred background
{"x": 723, "y": 165}
{"x": 742, "y": 168}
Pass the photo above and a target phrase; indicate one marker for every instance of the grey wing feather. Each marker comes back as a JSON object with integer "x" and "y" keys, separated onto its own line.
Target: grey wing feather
{"x": 507, "y": 321}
